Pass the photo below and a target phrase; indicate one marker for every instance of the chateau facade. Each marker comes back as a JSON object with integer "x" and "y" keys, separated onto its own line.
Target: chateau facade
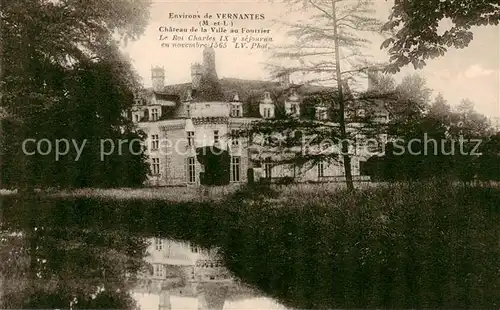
{"x": 183, "y": 120}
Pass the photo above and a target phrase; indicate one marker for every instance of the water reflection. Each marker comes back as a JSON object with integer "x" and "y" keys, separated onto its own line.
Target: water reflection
{"x": 182, "y": 275}
{"x": 66, "y": 255}
{"x": 54, "y": 267}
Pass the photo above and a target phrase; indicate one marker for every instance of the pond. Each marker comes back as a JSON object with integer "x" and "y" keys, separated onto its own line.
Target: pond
{"x": 368, "y": 251}
{"x": 71, "y": 254}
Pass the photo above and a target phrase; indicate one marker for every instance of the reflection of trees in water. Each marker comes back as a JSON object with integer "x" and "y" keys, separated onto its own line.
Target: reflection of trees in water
{"x": 58, "y": 267}
{"x": 75, "y": 248}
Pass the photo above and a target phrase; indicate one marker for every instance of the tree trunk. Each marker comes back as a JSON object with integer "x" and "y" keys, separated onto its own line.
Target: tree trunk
{"x": 343, "y": 134}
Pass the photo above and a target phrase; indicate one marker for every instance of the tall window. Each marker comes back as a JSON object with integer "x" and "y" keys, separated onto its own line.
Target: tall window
{"x": 158, "y": 244}
{"x": 159, "y": 270}
{"x": 235, "y": 169}
{"x": 154, "y": 114}
{"x": 268, "y": 167}
{"x": 136, "y": 118}
{"x": 234, "y": 140}
{"x": 293, "y": 109}
{"x": 156, "y": 166}
{"x": 155, "y": 142}
{"x": 191, "y": 170}
{"x": 190, "y": 136}
{"x": 188, "y": 110}
{"x": 216, "y": 136}
{"x": 321, "y": 169}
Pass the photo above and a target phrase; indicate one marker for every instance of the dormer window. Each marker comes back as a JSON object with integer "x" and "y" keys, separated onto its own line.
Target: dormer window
{"x": 188, "y": 110}
{"x": 189, "y": 95}
{"x": 154, "y": 114}
{"x": 267, "y": 95}
{"x": 236, "y": 110}
{"x": 292, "y": 108}
{"x": 267, "y": 110}
{"x": 190, "y": 138}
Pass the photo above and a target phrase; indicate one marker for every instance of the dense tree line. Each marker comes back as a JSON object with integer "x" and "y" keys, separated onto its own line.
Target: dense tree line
{"x": 456, "y": 143}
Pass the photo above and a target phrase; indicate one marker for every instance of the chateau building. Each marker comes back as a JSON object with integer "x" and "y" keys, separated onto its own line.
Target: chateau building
{"x": 183, "y": 121}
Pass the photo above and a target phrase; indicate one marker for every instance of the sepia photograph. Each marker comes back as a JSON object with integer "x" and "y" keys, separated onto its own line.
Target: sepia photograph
{"x": 238, "y": 154}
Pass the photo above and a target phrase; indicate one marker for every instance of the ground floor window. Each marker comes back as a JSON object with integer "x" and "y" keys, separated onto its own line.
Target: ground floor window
{"x": 235, "y": 169}
{"x": 156, "y": 166}
{"x": 191, "y": 170}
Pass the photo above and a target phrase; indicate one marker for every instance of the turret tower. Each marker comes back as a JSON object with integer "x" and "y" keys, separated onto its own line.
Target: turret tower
{"x": 209, "y": 61}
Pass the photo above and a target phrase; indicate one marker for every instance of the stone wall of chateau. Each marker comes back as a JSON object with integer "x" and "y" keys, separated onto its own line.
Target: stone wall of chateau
{"x": 177, "y": 154}
{"x": 174, "y": 151}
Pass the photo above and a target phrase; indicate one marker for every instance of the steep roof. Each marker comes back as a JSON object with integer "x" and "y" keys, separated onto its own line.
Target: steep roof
{"x": 246, "y": 88}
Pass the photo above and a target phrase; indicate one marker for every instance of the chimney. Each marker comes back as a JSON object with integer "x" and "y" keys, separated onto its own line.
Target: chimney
{"x": 209, "y": 61}
{"x": 284, "y": 79}
{"x": 158, "y": 78}
{"x": 196, "y": 73}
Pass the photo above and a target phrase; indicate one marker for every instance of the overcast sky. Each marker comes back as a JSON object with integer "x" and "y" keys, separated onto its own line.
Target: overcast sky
{"x": 472, "y": 72}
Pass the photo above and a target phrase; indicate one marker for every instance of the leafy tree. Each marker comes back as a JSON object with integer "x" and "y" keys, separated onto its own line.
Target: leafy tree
{"x": 489, "y": 161}
{"x": 55, "y": 53}
{"x": 442, "y": 136}
{"x": 468, "y": 122}
{"x": 408, "y": 109}
{"x": 440, "y": 110}
{"x": 415, "y": 28}
{"x": 381, "y": 83}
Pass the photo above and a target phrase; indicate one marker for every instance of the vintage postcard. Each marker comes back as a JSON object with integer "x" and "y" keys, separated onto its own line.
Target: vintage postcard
{"x": 237, "y": 154}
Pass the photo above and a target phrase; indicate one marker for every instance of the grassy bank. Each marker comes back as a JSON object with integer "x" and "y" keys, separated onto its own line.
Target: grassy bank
{"x": 192, "y": 193}
{"x": 425, "y": 245}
